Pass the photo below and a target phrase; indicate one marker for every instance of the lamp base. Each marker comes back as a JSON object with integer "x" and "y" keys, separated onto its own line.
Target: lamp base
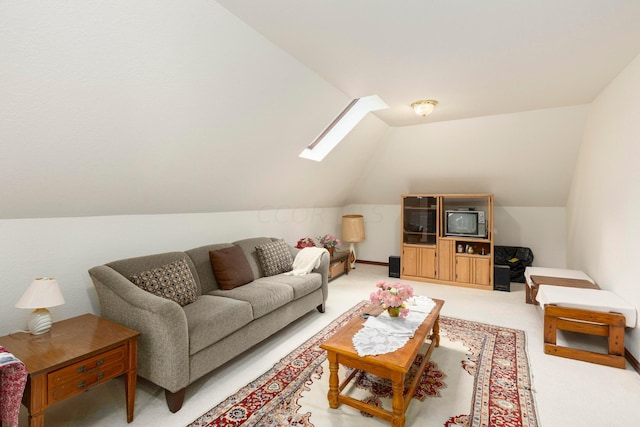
{"x": 352, "y": 257}
{"x": 40, "y": 321}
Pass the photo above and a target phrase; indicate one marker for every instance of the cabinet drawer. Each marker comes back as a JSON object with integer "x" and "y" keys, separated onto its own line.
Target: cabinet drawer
{"x": 81, "y": 376}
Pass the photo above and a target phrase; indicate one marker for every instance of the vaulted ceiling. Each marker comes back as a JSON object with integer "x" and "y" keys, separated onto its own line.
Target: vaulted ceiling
{"x": 477, "y": 58}
{"x": 146, "y": 107}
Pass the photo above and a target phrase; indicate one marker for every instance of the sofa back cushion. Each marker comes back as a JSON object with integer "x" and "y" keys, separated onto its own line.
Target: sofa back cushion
{"x": 230, "y": 267}
{"x": 202, "y": 262}
{"x": 134, "y": 266}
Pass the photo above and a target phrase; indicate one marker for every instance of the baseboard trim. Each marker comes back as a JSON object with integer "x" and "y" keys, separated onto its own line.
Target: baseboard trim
{"x": 372, "y": 262}
{"x": 632, "y": 360}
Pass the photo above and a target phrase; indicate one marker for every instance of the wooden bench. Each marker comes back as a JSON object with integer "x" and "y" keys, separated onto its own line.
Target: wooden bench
{"x": 586, "y": 311}
{"x": 554, "y": 276}
{"x": 536, "y": 281}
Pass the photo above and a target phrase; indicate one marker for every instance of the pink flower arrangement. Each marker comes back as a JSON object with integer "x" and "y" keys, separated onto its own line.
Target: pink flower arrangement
{"x": 329, "y": 241}
{"x": 305, "y": 242}
{"x": 392, "y": 295}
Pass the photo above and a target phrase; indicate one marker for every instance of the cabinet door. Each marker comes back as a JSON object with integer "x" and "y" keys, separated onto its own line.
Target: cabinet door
{"x": 419, "y": 217}
{"x": 428, "y": 262}
{"x": 410, "y": 261}
{"x": 463, "y": 269}
{"x": 445, "y": 259}
{"x": 482, "y": 271}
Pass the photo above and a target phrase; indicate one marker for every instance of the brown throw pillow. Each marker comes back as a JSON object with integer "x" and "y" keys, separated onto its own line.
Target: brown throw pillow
{"x": 230, "y": 267}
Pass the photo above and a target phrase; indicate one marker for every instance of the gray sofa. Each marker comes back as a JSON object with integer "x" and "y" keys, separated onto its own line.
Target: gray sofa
{"x": 179, "y": 344}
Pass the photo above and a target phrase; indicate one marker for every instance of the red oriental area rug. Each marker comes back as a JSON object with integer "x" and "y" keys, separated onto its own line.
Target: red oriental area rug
{"x": 478, "y": 377}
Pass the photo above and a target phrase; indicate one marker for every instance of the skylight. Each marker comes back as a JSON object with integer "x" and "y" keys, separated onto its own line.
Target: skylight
{"x": 341, "y": 126}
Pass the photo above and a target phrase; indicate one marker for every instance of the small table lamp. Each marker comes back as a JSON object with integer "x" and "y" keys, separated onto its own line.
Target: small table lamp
{"x": 352, "y": 232}
{"x": 42, "y": 293}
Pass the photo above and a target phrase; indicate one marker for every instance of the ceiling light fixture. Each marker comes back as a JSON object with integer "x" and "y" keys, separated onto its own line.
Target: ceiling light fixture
{"x": 341, "y": 126}
{"x": 425, "y": 107}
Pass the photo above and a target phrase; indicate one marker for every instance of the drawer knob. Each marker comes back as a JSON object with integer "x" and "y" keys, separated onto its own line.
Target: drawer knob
{"x": 82, "y": 384}
{"x": 84, "y": 368}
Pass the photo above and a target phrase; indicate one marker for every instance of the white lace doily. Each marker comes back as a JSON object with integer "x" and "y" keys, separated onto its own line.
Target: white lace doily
{"x": 386, "y": 334}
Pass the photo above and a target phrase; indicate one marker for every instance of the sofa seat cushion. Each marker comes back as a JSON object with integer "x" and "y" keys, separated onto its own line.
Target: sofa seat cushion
{"x": 301, "y": 285}
{"x": 263, "y": 297}
{"x": 211, "y": 318}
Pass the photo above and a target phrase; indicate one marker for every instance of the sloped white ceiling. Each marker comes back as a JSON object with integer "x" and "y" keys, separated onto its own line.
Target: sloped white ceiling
{"x": 477, "y": 58}
{"x": 158, "y": 107}
{"x": 145, "y": 107}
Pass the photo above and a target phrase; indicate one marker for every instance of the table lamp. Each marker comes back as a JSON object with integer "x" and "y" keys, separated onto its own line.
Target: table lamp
{"x": 352, "y": 232}
{"x": 42, "y": 293}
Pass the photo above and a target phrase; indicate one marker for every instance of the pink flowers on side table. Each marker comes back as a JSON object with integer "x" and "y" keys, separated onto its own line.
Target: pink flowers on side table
{"x": 392, "y": 296}
{"x": 329, "y": 241}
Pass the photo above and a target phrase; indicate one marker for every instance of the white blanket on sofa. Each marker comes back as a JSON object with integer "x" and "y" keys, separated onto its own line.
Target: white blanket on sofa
{"x": 306, "y": 260}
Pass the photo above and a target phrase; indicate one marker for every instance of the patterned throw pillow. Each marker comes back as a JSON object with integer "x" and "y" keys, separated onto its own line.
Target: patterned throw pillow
{"x": 275, "y": 258}
{"x": 172, "y": 281}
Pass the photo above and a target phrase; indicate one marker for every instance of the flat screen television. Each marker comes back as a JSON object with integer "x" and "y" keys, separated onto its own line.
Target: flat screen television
{"x": 465, "y": 223}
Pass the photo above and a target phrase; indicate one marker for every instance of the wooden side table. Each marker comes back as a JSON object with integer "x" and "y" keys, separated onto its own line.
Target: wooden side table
{"x": 339, "y": 264}
{"x": 75, "y": 355}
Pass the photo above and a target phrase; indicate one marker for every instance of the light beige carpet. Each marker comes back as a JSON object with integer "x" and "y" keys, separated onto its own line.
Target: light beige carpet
{"x": 479, "y": 376}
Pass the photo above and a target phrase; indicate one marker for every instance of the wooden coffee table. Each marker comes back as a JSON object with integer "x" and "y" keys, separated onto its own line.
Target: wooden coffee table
{"x": 393, "y": 366}
{"x": 75, "y": 355}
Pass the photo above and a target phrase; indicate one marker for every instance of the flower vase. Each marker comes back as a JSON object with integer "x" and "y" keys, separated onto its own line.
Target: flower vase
{"x": 331, "y": 250}
{"x": 393, "y": 311}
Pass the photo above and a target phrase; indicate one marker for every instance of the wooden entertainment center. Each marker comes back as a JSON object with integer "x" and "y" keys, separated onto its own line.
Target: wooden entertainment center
{"x": 430, "y": 253}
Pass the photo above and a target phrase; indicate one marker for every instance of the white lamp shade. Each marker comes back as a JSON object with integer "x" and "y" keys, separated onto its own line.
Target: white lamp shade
{"x": 352, "y": 228}
{"x": 42, "y": 293}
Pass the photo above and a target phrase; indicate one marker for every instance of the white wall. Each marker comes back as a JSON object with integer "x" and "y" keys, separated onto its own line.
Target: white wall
{"x": 541, "y": 229}
{"x": 603, "y": 229}
{"x": 524, "y": 159}
{"x": 65, "y": 248}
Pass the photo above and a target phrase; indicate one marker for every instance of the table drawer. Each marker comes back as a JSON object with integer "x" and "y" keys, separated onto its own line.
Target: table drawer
{"x": 81, "y": 376}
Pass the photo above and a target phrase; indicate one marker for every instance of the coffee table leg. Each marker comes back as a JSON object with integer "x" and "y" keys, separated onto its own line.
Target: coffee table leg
{"x": 398, "y": 400}
{"x": 436, "y": 332}
{"x": 333, "y": 380}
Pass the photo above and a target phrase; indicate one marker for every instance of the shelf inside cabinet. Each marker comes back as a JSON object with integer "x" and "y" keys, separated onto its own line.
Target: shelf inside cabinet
{"x": 419, "y": 238}
{"x": 420, "y": 202}
{"x": 478, "y": 247}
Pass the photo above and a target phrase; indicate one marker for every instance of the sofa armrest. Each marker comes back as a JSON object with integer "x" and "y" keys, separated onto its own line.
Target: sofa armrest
{"x": 323, "y": 269}
{"x": 163, "y": 346}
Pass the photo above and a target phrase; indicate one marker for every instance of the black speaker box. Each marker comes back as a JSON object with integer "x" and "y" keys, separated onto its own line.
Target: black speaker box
{"x": 501, "y": 278}
{"x": 394, "y": 266}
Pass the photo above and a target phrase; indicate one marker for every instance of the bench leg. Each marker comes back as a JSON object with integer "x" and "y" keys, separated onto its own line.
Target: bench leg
{"x": 610, "y": 325}
{"x": 616, "y": 340}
